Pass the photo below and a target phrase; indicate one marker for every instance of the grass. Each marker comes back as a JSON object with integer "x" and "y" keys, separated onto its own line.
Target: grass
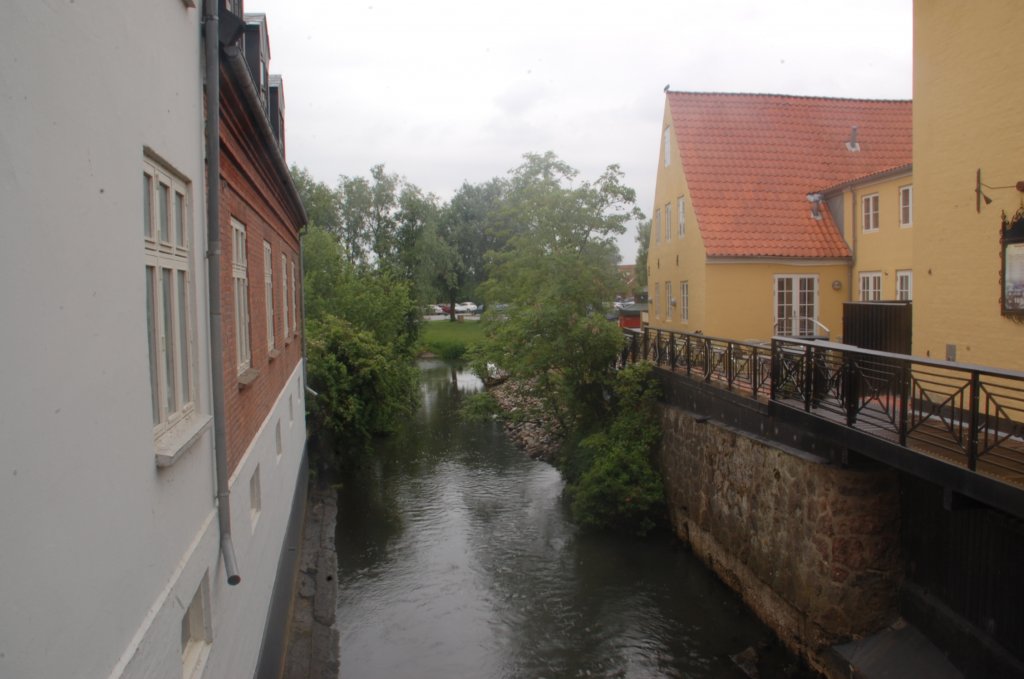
{"x": 451, "y": 340}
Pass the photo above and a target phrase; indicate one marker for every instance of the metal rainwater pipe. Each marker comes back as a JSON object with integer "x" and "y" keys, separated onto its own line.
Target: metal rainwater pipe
{"x": 211, "y": 28}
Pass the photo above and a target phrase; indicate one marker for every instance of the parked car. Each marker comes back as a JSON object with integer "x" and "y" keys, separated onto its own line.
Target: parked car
{"x": 445, "y": 309}
{"x": 465, "y": 308}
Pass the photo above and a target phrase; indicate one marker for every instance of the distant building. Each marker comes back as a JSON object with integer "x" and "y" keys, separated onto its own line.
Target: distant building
{"x": 755, "y": 222}
{"x": 151, "y": 450}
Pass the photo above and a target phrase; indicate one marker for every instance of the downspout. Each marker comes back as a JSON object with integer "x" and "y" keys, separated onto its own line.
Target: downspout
{"x": 211, "y": 28}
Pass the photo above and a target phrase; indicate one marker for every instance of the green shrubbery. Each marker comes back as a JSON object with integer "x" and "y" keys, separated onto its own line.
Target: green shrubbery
{"x": 611, "y": 482}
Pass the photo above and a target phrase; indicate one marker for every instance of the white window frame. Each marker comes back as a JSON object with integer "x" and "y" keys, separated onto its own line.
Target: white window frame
{"x": 906, "y": 206}
{"x": 684, "y": 301}
{"x": 196, "y": 632}
{"x": 285, "y": 308}
{"x": 869, "y": 213}
{"x": 870, "y": 286}
{"x": 668, "y": 221}
{"x": 682, "y": 216}
{"x": 167, "y": 226}
{"x": 268, "y": 292}
{"x": 667, "y": 146}
{"x": 669, "y": 301}
{"x": 904, "y": 285}
{"x": 789, "y": 314}
{"x": 295, "y": 302}
{"x": 240, "y": 289}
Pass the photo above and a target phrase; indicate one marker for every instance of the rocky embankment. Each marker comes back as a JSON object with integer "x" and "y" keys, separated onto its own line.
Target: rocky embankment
{"x": 526, "y": 423}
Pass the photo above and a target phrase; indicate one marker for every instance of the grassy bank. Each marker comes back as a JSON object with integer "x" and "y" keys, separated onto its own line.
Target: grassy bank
{"x": 450, "y": 340}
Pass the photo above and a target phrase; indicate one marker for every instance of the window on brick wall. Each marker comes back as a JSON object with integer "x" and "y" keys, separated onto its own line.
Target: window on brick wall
{"x": 169, "y": 312}
{"x": 285, "y": 308}
{"x": 295, "y": 303}
{"x": 268, "y": 291}
{"x": 240, "y": 289}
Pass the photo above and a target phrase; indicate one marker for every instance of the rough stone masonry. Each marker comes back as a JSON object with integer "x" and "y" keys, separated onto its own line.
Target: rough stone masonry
{"x": 812, "y": 548}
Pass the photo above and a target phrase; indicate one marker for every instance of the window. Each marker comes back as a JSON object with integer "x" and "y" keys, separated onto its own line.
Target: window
{"x": 668, "y": 221}
{"x": 240, "y": 280}
{"x": 684, "y": 301}
{"x": 285, "y": 309}
{"x": 657, "y": 295}
{"x": 255, "y": 496}
{"x": 667, "y": 150}
{"x": 869, "y": 216}
{"x": 871, "y": 286}
{"x": 657, "y": 226}
{"x": 268, "y": 290}
{"x": 682, "y": 216}
{"x": 295, "y": 304}
{"x": 169, "y": 313}
{"x": 796, "y": 305}
{"x": 905, "y": 285}
{"x": 669, "y": 302}
{"x": 906, "y": 205}
{"x": 196, "y": 633}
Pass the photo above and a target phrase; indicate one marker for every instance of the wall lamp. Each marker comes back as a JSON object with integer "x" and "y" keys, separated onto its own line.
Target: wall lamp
{"x": 979, "y": 195}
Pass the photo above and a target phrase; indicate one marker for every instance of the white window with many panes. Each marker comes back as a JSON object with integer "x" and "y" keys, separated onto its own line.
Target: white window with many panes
{"x": 240, "y": 290}
{"x": 682, "y": 216}
{"x": 796, "y": 305}
{"x": 904, "y": 285}
{"x": 684, "y": 301}
{"x": 869, "y": 212}
{"x": 667, "y": 146}
{"x": 906, "y": 205}
{"x": 169, "y": 314}
{"x": 285, "y": 309}
{"x": 268, "y": 292}
{"x": 870, "y": 286}
{"x": 295, "y": 303}
{"x": 668, "y": 221}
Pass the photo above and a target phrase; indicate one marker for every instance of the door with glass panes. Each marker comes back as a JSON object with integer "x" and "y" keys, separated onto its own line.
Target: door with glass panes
{"x": 796, "y": 305}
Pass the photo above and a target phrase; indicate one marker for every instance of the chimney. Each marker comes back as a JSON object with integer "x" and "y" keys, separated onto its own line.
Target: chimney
{"x": 852, "y": 145}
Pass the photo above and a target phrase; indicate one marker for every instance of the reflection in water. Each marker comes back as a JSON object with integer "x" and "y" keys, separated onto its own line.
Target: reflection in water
{"x": 456, "y": 559}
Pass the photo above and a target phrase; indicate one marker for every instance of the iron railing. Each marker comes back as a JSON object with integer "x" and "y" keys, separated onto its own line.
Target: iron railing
{"x": 970, "y": 415}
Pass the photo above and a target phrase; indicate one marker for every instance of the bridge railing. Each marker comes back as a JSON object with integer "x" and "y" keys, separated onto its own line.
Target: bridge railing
{"x": 971, "y": 415}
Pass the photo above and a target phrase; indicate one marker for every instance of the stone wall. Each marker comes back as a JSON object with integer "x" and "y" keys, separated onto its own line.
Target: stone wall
{"x": 812, "y": 548}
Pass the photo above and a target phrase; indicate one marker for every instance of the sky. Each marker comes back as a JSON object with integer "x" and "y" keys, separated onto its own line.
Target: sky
{"x": 450, "y": 91}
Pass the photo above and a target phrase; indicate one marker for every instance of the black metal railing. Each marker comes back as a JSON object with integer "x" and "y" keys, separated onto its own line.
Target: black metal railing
{"x": 971, "y": 415}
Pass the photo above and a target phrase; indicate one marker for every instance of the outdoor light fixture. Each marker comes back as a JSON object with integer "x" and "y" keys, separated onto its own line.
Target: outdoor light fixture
{"x": 980, "y": 195}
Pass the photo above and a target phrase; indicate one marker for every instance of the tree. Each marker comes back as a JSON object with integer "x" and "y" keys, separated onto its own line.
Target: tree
{"x": 320, "y": 201}
{"x": 643, "y": 242}
{"x": 557, "y": 273}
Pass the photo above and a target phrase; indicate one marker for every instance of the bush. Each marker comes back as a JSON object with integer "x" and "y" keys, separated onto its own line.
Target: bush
{"x": 611, "y": 481}
{"x": 363, "y": 387}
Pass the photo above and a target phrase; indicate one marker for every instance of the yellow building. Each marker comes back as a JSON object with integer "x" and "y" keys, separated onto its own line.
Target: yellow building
{"x": 968, "y": 141}
{"x": 756, "y": 207}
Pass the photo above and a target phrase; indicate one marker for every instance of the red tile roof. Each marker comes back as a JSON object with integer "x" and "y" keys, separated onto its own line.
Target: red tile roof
{"x": 751, "y": 159}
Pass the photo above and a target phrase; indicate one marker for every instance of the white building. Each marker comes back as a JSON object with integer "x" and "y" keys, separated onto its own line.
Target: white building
{"x": 112, "y": 558}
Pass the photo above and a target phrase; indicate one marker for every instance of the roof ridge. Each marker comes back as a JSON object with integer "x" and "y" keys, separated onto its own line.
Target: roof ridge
{"x": 766, "y": 95}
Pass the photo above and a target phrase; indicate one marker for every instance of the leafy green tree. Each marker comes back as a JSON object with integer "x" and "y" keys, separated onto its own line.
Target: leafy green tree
{"x": 320, "y": 201}
{"x": 558, "y": 274}
{"x": 643, "y": 243}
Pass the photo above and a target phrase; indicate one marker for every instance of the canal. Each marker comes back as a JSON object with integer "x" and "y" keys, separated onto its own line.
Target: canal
{"x": 457, "y": 559}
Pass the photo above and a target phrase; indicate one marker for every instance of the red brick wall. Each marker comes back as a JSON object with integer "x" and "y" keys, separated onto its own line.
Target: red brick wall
{"x": 250, "y": 194}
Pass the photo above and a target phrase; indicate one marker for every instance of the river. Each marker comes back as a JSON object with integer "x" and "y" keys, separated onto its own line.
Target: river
{"x": 457, "y": 559}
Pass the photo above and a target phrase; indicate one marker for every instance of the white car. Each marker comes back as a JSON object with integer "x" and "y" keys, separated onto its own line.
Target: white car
{"x": 465, "y": 308}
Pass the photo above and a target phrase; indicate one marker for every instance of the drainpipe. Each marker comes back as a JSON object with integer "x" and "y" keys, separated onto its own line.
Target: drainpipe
{"x": 211, "y": 28}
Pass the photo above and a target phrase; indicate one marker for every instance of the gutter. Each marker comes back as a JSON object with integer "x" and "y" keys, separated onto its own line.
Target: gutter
{"x": 211, "y": 28}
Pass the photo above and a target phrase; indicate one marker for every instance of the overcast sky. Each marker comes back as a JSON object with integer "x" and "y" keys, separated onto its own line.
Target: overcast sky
{"x": 447, "y": 91}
